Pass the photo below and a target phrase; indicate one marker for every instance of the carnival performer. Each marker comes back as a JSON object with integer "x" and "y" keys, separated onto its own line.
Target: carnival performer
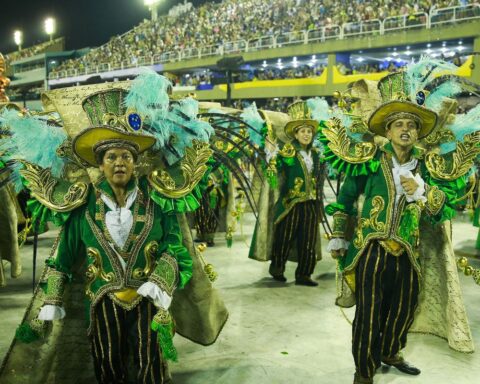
{"x": 296, "y": 218}
{"x": 125, "y": 229}
{"x": 400, "y": 187}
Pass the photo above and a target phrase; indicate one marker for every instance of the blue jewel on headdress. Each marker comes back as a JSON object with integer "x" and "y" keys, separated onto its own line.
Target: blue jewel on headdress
{"x": 135, "y": 121}
{"x": 420, "y": 98}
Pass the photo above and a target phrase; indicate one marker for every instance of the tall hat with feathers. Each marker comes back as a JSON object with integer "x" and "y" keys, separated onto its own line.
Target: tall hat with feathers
{"x": 301, "y": 116}
{"x": 413, "y": 93}
{"x": 399, "y": 103}
{"x": 112, "y": 126}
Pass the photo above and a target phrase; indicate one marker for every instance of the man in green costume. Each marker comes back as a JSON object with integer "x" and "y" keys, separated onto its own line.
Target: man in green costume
{"x": 134, "y": 253}
{"x": 380, "y": 265}
{"x": 297, "y": 213}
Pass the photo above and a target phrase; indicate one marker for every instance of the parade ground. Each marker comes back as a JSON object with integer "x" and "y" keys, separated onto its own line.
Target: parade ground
{"x": 280, "y": 333}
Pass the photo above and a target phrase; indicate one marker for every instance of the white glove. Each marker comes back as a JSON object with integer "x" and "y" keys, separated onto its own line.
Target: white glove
{"x": 159, "y": 297}
{"x": 420, "y": 192}
{"x": 337, "y": 243}
{"x": 51, "y": 312}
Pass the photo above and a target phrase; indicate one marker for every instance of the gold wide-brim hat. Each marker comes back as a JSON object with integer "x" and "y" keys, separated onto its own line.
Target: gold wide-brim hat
{"x": 383, "y": 114}
{"x": 293, "y": 126}
{"x": 86, "y": 142}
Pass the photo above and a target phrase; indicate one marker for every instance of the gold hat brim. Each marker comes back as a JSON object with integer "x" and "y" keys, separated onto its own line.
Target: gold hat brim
{"x": 428, "y": 117}
{"x": 84, "y": 142}
{"x": 291, "y": 126}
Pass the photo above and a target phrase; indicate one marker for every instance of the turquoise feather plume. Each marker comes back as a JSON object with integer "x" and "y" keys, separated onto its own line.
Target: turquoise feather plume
{"x": 251, "y": 116}
{"x": 33, "y": 140}
{"x": 421, "y": 73}
{"x": 447, "y": 147}
{"x": 446, "y": 90}
{"x": 148, "y": 95}
{"x": 465, "y": 124}
{"x": 319, "y": 109}
{"x": 172, "y": 126}
{"x": 178, "y": 128}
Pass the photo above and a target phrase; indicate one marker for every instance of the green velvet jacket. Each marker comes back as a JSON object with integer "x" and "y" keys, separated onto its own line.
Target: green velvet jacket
{"x": 153, "y": 252}
{"x": 299, "y": 185}
{"x": 379, "y": 220}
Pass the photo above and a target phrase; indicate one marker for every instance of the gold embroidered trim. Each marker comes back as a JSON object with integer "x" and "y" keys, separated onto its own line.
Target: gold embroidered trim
{"x": 435, "y": 199}
{"x": 341, "y": 145}
{"x": 288, "y": 150}
{"x": 461, "y": 160}
{"x": 150, "y": 253}
{"x": 95, "y": 271}
{"x": 339, "y": 224}
{"x": 45, "y": 188}
{"x": 377, "y": 206}
{"x": 55, "y": 287}
{"x": 166, "y": 274}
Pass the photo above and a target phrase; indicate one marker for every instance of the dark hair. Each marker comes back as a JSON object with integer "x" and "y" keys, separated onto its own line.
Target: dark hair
{"x": 99, "y": 155}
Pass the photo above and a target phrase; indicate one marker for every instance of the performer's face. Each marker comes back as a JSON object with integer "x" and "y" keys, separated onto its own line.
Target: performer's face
{"x": 304, "y": 136}
{"x": 117, "y": 166}
{"x": 403, "y": 133}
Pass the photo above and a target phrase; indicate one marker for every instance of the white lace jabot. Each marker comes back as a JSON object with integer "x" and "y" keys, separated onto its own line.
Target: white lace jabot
{"x": 119, "y": 220}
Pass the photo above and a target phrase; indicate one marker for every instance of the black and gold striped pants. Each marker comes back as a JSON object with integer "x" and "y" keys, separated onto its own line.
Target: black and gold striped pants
{"x": 386, "y": 292}
{"x": 119, "y": 332}
{"x": 300, "y": 224}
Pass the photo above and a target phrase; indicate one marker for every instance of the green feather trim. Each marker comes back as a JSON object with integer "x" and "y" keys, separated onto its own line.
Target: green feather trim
{"x": 41, "y": 214}
{"x": 26, "y": 334}
{"x": 165, "y": 339}
{"x": 330, "y": 209}
{"x": 341, "y": 165}
{"x": 187, "y": 203}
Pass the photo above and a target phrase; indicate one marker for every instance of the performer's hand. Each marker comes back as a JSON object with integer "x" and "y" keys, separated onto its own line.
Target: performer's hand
{"x": 338, "y": 253}
{"x": 409, "y": 184}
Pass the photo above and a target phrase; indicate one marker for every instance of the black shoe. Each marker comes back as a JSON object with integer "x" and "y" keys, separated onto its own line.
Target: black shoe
{"x": 197, "y": 240}
{"x": 403, "y": 366}
{"x": 357, "y": 379}
{"x": 305, "y": 280}
{"x": 280, "y": 278}
{"x": 210, "y": 243}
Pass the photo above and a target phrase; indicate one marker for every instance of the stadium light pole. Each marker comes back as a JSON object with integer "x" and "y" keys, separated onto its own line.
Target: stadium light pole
{"x": 50, "y": 25}
{"x": 153, "y": 6}
{"x": 18, "y": 38}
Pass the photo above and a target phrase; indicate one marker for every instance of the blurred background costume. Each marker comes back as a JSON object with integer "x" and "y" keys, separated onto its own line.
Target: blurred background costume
{"x": 124, "y": 264}
{"x": 215, "y": 197}
{"x": 395, "y": 270}
{"x": 9, "y": 206}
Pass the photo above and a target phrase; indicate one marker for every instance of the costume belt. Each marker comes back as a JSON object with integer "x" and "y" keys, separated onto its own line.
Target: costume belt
{"x": 392, "y": 246}
{"x": 127, "y": 295}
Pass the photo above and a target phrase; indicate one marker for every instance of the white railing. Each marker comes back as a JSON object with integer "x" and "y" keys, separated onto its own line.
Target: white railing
{"x": 395, "y": 23}
{"x": 454, "y": 14}
{"x": 290, "y": 38}
{"x": 450, "y": 15}
{"x": 370, "y": 27}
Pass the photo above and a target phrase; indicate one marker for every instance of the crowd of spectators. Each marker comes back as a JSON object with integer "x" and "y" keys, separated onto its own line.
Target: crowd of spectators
{"x": 299, "y": 72}
{"x": 30, "y": 51}
{"x": 216, "y": 23}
